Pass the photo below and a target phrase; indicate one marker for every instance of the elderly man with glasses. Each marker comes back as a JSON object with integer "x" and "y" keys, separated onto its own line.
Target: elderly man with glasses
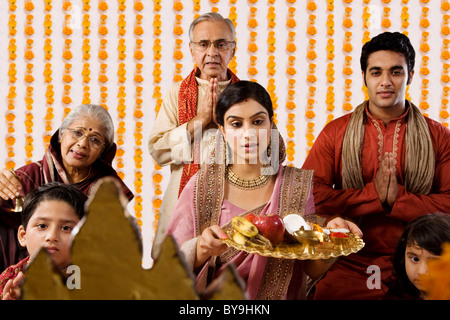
{"x": 186, "y": 114}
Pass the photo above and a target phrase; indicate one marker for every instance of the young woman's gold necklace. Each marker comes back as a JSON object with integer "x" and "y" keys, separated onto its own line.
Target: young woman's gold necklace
{"x": 244, "y": 184}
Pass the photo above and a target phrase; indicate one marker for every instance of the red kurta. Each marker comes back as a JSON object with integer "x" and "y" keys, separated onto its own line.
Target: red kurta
{"x": 349, "y": 277}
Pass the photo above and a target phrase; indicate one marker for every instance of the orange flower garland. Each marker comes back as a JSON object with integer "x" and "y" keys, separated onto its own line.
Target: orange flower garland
{"x": 29, "y": 79}
{"x": 386, "y": 22}
{"x": 178, "y": 32}
{"x": 445, "y": 77}
{"x": 67, "y": 57}
{"x": 311, "y": 56}
{"x": 121, "y": 94}
{"x": 103, "y": 53}
{"x": 138, "y": 113}
{"x": 424, "y": 49}
{"x": 347, "y": 48}
{"x": 330, "y": 95}
{"x": 86, "y": 51}
{"x": 196, "y": 7}
{"x": 233, "y": 17}
{"x": 213, "y": 7}
{"x": 49, "y": 116}
{"x": 157, "y": 176}
{"x": 252, "y": 47}
{"x": 271, "y": 64}
{"x": 291, "y": 72}
{"x": 366, "y": 36}
{"x": 10, "y": 116}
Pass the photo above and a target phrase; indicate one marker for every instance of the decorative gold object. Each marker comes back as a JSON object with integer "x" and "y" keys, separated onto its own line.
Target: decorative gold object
{"x": 310, "y": 245}
{"x": 18, "y": 207}
{"x": 107, "y": 252}
{"x": 18, "y": 202}
{"x": 309, "y": 239}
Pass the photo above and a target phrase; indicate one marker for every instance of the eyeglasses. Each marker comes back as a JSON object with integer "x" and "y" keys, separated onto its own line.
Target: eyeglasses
{"x": 94, "y": 142}
{"x": 221, "y": 45}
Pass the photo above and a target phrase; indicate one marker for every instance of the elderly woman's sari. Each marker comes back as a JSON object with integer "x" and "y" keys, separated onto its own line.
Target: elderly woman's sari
{"x": 202, "y": 204}
{"x": 33, "y": 175}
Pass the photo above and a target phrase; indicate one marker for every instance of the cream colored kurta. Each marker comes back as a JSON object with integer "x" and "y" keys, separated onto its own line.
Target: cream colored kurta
{"x": 170, "y": 144}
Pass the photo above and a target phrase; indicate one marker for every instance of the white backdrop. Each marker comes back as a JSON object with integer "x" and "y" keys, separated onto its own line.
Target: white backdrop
{"x": 148, "y": 51}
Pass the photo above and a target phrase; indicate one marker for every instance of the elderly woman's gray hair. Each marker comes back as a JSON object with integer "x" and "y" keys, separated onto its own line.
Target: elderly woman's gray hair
{"x": 211, "y": 16}
{"x": 96, "y": 112}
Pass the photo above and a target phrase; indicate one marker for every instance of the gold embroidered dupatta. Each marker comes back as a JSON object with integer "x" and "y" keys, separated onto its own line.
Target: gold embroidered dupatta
{"x": 294, "y": 192}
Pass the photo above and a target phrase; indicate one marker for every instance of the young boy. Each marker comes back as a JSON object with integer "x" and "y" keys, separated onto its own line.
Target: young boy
{"x": 49, "y": 215}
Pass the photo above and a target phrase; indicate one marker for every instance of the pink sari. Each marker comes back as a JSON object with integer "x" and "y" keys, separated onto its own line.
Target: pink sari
{"x": 201, "y": 204}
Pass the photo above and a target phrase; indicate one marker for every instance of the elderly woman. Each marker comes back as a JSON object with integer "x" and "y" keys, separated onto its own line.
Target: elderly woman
{"x": 80, "y": 153}
{"x": 245, "y": 175}
{"x": 187, "y": 110}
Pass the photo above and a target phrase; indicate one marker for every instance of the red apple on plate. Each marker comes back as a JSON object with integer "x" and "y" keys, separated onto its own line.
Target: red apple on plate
{"x": 250, "y": 217}
{"x": 271, "y": 227}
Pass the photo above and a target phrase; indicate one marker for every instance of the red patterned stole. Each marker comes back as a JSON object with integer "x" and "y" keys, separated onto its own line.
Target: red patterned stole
{"x": 187, "y": 109}
{"x": 11, "y": 272}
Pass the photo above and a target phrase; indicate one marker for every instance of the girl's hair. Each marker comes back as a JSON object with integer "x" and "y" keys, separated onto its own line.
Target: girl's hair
{"x": 428, "y": 232}
{"x": 56, "y": 191}
{"x": 239, "y": 92}
{"x": 96, "y": 112}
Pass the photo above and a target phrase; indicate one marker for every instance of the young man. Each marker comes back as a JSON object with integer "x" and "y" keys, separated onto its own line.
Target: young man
{"x": 382, "y": 165}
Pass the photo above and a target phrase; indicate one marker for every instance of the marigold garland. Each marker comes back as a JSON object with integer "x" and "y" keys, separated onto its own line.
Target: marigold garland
{"x": 311, "y": 57}
{"x": 214, "y": 7}
{"x": 86, "y": 53}
{"x": 103, "y": 53}
{"x": 138, "y": 113}
{"x": 271, "y": 64}
{"x": 121, "y": 94}
{"x": 424, "y": 71}
{"x": 10, "y": 116}
{"x": 196, "y": 7}
{"x": 445, "y": 77}
{"x": 291, "y": 72}
{"x": 385, "y": 21}
{"x": 49, "y": 116}
{"x": 330, "y": 72}
{"x": 252, "y": 46}
{"x": 67, "y": 56}
{"x": 178, "y": 33}
{"x": 347, "y": 48}
{"x": 29, "y": 79}
{"x": 404, "y": 16}
{"x": 233, "y": 17}
{"x": 157, "y": 95}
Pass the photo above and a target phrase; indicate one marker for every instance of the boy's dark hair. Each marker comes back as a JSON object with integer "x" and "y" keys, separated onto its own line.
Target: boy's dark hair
{"x": 241, "y": 91}
{"x": 53, "y": 191}
{"x": 429, "y": 232}
{"x": 391, "y": 41}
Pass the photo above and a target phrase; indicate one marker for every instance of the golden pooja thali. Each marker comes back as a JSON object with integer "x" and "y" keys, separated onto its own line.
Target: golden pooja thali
{"x": 290, "y": 237}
